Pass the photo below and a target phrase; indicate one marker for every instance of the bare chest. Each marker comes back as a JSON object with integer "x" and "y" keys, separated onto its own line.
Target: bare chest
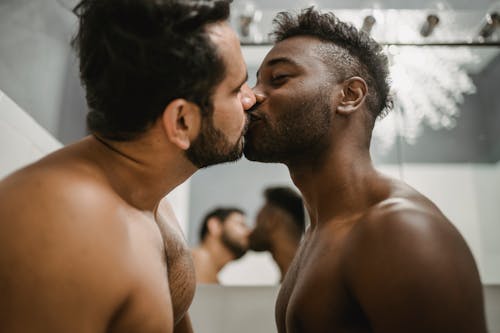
{"x": 164, "y": 280}
{"x": 314, "y": 296}
{"x": 180, "y": 267}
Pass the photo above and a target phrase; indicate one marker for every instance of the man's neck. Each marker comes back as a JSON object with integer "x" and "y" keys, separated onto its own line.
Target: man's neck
{"x": 140, "y": 173}
{"x": 219, "y": 255}
{"x": 205, "y": 269}
{"x": 340, "y": 184}
{"x": 283, "y": 251}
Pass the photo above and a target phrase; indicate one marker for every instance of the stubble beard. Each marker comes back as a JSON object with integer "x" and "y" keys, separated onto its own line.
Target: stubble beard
{"x": 212, "y": 146}
{"x": 299, "y": 136}
{"x": 237, "y": 249}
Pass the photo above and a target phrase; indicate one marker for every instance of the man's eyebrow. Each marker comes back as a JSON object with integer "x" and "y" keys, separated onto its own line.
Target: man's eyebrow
{"x": 279, "y": 60}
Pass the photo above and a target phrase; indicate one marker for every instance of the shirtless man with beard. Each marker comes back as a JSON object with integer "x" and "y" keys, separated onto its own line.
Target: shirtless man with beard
{"x": 85, "y": 243}
{"x": 223, "y": 238}
{"x": 378, "y": 256}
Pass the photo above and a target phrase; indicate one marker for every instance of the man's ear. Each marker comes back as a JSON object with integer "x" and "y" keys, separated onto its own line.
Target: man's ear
{"x": 181, "y": 121}
{"x": 353, "y": 95}
{"x": 214, "y": 226}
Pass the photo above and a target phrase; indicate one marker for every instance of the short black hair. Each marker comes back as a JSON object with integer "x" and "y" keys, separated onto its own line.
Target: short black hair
{"x": 354, "y": 52}
{"x": 290, "y": 201}
{"x": 136, "y": 56}
{"x": 220, "y": 213}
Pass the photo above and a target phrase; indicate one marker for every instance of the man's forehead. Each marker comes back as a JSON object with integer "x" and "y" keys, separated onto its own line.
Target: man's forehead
{"x": 221, "y": 33}
{"x": 236, "y": 216}
{"x": 295, "y": 49}
{"x": 227, "y": 43}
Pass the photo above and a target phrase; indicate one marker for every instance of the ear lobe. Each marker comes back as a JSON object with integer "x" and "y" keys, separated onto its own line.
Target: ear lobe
{"x": 181, "y": 121}
{"x": 353, "y": 95}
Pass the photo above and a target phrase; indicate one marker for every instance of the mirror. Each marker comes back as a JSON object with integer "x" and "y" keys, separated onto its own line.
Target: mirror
{"x": 456, "y": 164}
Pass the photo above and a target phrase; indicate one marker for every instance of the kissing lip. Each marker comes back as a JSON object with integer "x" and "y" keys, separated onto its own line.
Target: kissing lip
{"x": 254, "y": 116}
{"x": 254, "y": 121}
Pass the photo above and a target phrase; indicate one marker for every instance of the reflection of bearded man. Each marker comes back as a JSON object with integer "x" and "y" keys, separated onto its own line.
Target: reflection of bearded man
{"x": 237, "y": 247}
{"x": 224, "y": 237}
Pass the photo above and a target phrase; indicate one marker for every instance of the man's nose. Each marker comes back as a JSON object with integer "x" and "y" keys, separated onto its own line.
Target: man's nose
{"x": 247, "y": 97}
{"x": 259, "y": 95}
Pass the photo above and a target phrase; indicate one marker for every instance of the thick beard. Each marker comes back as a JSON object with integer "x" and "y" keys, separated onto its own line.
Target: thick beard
{"x": 299, "y": 136}
{"x": 234, "y": 247}
{"x": 212, "y": 146}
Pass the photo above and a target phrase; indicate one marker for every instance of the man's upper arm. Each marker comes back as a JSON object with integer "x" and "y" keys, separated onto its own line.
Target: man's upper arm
{"x": 62, "y": 262}
{"x": 412, "y": 272}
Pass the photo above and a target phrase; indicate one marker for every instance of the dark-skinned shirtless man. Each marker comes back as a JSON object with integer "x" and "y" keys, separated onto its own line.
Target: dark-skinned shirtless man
{"x": 378, "y": 256}
{"x": 86, "y": 242}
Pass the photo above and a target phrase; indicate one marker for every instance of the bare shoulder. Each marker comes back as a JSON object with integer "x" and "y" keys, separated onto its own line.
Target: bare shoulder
{"x": 57, "y": 195}
{"x": 404, "y": 257}
{"x": 410, "y": 230}
{"x": 60, "y": 232}
{"x": 408, "y": 219}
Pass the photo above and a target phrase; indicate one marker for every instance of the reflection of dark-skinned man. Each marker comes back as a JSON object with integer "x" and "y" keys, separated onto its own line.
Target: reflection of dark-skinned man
{"x": 378, "y": 256}
{"x": 279, "y": 226}
{"x": 86, "y": 242}
{"x": 223, "y": 238}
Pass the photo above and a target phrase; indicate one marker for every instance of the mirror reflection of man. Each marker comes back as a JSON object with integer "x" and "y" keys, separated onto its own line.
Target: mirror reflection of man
{"x": 378, "y": 256}
{"x": 86, "y": 242}
{"x": 279, "y": 226}
{"x": 223, "y": 238}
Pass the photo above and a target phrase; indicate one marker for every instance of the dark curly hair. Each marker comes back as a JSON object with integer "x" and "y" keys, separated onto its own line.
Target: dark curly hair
{"x": 352, "y": 52}
{"x": 136, "y": 56}
{"x": 288, "y": 200}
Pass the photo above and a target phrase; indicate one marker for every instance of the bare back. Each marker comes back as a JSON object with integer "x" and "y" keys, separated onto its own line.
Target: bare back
{"x": 75, "y": 257}
{"x": 398, "y": 267}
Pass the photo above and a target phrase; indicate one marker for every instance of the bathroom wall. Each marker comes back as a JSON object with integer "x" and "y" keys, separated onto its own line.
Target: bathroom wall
{"x": 492, "y": 307}
{"x": 38, "y": 69}
{"x": 217, "y": 309}
{"x": 22, "y": 139}
{"x": 488, "y": 199}
{"x": 468, "y": 195}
